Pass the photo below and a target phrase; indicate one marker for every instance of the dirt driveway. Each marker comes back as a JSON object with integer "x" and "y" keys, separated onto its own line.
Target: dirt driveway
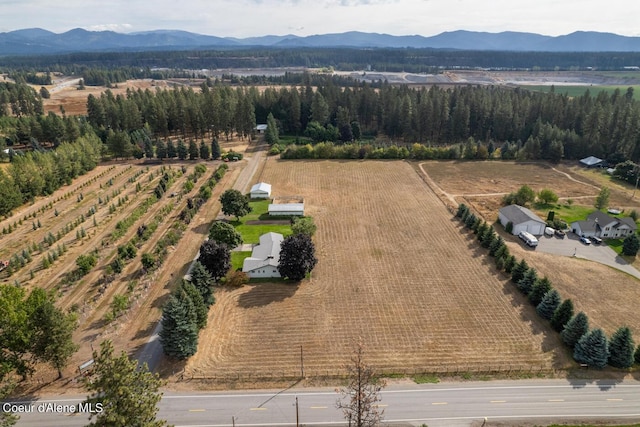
{"x": 599, "y": 253}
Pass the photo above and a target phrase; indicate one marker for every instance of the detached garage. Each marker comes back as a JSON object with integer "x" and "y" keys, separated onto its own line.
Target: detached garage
{"x": 261, "y": 190}
{"x": 522, "y": 219}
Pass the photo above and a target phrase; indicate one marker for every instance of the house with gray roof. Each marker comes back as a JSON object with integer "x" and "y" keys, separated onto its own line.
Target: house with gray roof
{"x": 599, "y": 224}
{"x": 265, "y": 257}
{"x": 522, "y": 219}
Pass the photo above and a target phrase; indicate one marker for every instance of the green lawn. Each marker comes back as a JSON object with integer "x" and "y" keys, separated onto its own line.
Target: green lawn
{"x": 252, "y": 233}
{"x": 568, "y": 213}
{"x": 237, "y": 258}
{"x": 615, "y": 244}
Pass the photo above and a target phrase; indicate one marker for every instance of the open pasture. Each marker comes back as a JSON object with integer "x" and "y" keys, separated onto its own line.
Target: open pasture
{"x": 394, "y": 268}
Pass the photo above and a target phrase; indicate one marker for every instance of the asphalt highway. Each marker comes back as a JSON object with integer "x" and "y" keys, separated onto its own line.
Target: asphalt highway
{"x": 445, "y": 404}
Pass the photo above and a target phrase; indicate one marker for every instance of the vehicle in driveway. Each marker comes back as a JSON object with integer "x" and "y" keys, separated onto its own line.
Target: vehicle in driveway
{"x": 528, "y": 238}
{"x": 595, "y": 240}
{"x": 549, "y": 231}
{"x": 585, "y": 240}
{"x": 560, "y": 234}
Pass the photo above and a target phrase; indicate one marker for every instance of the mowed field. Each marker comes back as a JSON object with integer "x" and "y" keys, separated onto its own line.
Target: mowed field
{"x": 394, "y": 269}
{"x": 608, "y": 296}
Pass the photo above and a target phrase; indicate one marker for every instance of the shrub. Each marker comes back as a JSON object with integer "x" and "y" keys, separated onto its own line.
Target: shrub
{"x": 237, "y": 279}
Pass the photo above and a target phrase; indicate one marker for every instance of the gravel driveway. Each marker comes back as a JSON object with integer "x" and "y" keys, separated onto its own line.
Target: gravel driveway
{"x": 571, "y": 245}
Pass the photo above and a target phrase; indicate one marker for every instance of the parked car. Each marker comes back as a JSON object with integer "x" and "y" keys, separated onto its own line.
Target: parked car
{"x": 549, "y": 231}
{"x": 560, "y": 234}
{"x": 585, "y": 240}
{"x": 596, "y": 240}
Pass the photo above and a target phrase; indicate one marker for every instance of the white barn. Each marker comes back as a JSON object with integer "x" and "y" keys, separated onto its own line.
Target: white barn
{"x": 265, "y": 257}
{"x": 286, "y": 209}
{"x": 261, "y": 190}
{"x": 522, "y": 219}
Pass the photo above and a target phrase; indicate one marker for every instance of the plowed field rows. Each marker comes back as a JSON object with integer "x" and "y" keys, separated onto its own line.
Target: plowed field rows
{"x": 394, "y": 269}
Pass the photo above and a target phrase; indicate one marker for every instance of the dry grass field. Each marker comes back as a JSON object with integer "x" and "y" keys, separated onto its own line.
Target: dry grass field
{"x": 608, "y": 296}
{"x": 394, "y": 268}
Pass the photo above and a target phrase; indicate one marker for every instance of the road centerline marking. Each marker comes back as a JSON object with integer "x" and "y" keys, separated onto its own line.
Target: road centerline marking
{"x": 258, "y": 409}
{"x": 497, "y": 401}
{"x": 197, "y": 410}
{"x": 614, "y": 400}
{"x": 556, "y": 400}
{"x": 439, "y": 403}
{"x": 318, "y": 407}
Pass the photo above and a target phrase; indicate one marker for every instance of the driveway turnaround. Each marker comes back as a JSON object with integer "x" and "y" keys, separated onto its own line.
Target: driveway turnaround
{"x": 572, "y": 246}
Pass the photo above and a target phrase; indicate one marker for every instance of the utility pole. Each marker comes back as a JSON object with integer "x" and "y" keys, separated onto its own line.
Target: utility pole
{"x": 301, "y": 364}
{"x": 233, "y": 421}
{"x": 297, "y": 414}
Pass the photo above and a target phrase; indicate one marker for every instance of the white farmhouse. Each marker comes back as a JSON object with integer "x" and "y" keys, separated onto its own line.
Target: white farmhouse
{"x": 522, "y": 219}
{"x": 286, "y": 209}
{"x": 265, "y": 257}
{"x": 261, "y": 190}
{"x": 599, "y": 224}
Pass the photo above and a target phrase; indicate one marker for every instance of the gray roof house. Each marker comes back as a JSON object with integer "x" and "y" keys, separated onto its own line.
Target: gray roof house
{"x": 522, "y": 219}
{"x": 600, "y": 224}
{"x": 591, "y": 162}
{"x": 265, "y": 257}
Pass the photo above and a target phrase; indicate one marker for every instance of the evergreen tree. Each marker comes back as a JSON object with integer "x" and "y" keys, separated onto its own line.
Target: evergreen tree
{"x": 172, "y": 153}
{"x": 550, "y": 302}
{"x": 200, "y": 308}
{"x": 602, "y": 201}
{"x": 636, "y": 355}
{"x": 495, "y": 245}
{"x": 519, "y": 271}
{"x": 488, "y": 237}
{"x": 272, "y": 135}
{"x": 575, "y": 329}
{"x": 193, "y": 150}
{"x": 482, "y": 228}
{"x": 621, "y": 348}
{"x": 562, "y": 315}
{"x": 161, "y": 150}
{"x": 215, "y": 149}
{"x": 202, "y": 280}
{"x": 631, "y": 245}
{"x": 461, "y": 209}
{"x": 509, "y": 263}
{"x": 539, "y": 289}
{"x": 129, "y": 394}
{"x": 182, "y": 150}
{"x": 592, "y": 349}
{"x": 179, "y": 333}
{"x": 148, "y": 148}
{"x": 470, "y": 220}
{"x": 204, "y": 151}
{"x": 528, "y": 280}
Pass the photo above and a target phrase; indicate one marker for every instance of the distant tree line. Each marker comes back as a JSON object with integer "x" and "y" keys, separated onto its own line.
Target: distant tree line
{"x": 413, "y": 60}
{"x": 34, "y": 78}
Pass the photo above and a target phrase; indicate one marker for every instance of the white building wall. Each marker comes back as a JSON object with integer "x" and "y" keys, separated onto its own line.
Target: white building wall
{"x": 263, "y": 272}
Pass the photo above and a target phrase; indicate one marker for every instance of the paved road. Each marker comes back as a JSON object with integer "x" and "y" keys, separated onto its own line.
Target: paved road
{"x": 599, "y": 253}
{"x": 448, "y": 404}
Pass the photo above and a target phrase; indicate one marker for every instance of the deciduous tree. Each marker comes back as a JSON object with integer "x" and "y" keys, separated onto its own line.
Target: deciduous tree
{"x": 235, "y": 203}
{"x": 602, "y": 201}
{"x": 304, "y": 225}
{"x": 297, "y": 257}
{"x": 223, "y": 232}
{"x": 360, "y": 397}
{"x": 216, "y": 258}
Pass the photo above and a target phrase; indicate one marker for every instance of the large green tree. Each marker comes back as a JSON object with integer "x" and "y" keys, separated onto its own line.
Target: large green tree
{"x": 575, "y": 329}
{"x": 297, "y": 257}
{"x": 304, "y": 225}
{"x": 538, "y": 291}
{"x": 602, "y": 201}
{"x": 179, "y": 333}
{"x": 223, "y": 232}
{"x": 126, "y": 393}
{"x": 216, "y": 258}
{"x": 235, "y": 203}
{"x": 202, "y": 280}
{"x": 621, "y": 348}
{"x": 562, "y": 315}
{"x": 549, "y": 304}
{"x": 592, "y": 349}
{"x": 631, "y": 245}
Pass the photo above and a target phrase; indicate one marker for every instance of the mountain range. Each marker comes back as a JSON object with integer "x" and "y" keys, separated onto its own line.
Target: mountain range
{"x": 35, "y": 41}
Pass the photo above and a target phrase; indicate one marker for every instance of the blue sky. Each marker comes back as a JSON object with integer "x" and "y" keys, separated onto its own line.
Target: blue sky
{"x": 245, "y": 18}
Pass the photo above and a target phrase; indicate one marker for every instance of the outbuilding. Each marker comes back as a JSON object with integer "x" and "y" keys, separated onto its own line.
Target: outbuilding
{"x": 265, "y": 257}
{"x": 262, "y": 128}
{"x": 261, "y": 190}
{"x": 286, "y": 209}
{"x": 522, "y": 219}
{"x": 591, "y": 162}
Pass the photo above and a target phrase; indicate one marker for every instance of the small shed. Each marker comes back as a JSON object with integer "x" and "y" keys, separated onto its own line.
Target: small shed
{"x": 591, "y": 162}
{"x": 261, "y": 128}
{"x": 286, "y": 209}
{"x": 522, "y": 219}
{"x": 261, "y": 190}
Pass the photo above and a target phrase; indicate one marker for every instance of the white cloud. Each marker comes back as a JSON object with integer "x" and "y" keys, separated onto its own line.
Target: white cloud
{"x": 118, "y": 28}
